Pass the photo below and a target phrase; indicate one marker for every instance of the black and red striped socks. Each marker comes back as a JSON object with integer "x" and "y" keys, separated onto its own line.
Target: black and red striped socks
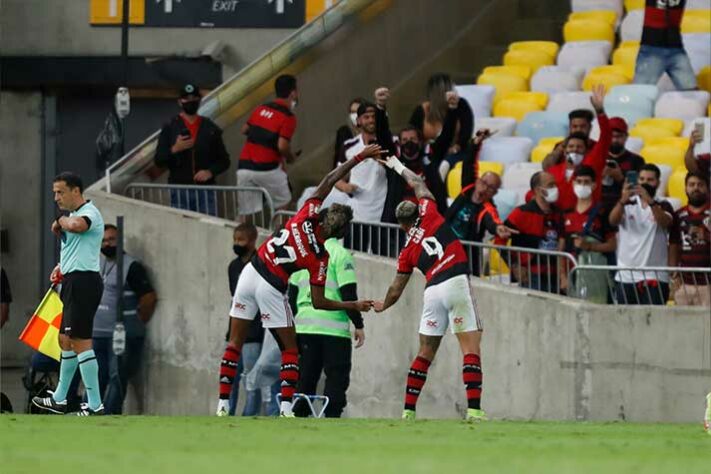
{"x": 289, "y": 374}
{"x": 228, "y": 371}
{"x": 415, "y": 381}
{"x": 472, "y": 377}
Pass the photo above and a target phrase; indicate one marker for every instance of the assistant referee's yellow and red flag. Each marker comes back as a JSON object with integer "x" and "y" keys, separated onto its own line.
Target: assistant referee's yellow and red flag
{"x": 42, "y": 330}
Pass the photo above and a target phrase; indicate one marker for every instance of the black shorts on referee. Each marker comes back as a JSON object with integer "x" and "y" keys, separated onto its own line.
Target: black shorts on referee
{"x": 81, "y": 295}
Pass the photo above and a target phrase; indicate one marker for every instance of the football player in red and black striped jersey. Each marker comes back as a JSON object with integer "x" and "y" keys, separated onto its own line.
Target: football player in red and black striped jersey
{"x": 432, "y": 247}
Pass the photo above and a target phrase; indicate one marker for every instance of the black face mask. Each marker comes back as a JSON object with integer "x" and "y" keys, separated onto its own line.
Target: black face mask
{"x": 652, "y": 190}
{"x": 616, "y": 148}
{"x": 240, "y": 250}
{"x": 109, "y": 251}
{"x": 698, "y": 199}
{"x": 191, "y": 107}
{"x": 410, "y": 150}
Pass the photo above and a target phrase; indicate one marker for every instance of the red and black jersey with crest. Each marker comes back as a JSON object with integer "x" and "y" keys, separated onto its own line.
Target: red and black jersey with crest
{"x": 432, "y": 247}
{"x": 267, "y": 124}
{"x": 692, "y": 231}
{"x": 292, "y": 248}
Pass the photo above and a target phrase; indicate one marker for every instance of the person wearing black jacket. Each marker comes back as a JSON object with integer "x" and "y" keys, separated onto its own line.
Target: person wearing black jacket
{"x": 473, "y": 212}
{"x": 190, "y": 146}
{"x": 429, "y": 117}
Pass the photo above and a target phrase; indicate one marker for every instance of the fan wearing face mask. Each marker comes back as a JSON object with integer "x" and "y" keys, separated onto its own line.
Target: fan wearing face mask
{"x": 538, "y": 224}
{"x": 586, "y": 228}
{"x": 190, "y": 147}
{"x": 577, "y": 153}
{"x": 347, "y": 131}
{"x": 619, "y": 161}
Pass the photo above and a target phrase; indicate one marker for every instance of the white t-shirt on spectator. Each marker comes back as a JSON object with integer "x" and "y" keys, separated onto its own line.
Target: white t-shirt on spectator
{"x": 641, "y": 242}
{"x": 372, "y": 182}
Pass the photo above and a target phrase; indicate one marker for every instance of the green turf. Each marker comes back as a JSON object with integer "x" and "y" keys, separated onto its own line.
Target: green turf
{"x": 56, "y": 445}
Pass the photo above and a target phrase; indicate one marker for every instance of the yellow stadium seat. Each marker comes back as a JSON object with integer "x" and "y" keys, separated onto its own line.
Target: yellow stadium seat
{"x": 673, "y": 125}
{"x": 516, "y": 108}
{"x": 649, "y": 133}
{"x": 626, "y": 56}
{"x": 497, "y": 265}
{"x": 588, "y": 30}
{"x": 704, "y": 78}
{"x": 678, "y": 142}
{"x": 533, "y": 58}
{"x": 608, "y": 16}
{"x": 545, "y": 146}
{"x": 454, "y": 181}
{"x": 609, "y": 76}
{"x": 634, "y": 5}
{"x": 491, "y": 166}
{"x": 517, "y": 70}
{"x": 676, "y": 187}
{"x": 540, "y": 98}
{"x": 663, "y": 155}
{"x": 696, "y": 21}
{"x": 549, "y": 47}
{"x": 504, "y": 83}
{"x": 629, "y": 44}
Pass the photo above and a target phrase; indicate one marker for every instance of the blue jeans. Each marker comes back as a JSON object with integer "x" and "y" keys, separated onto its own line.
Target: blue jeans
{"x": 196, "y": 200}
{"x": 250, "y": 354}
{"x": 116, "y": 372}
{"x": 652, "y": 62}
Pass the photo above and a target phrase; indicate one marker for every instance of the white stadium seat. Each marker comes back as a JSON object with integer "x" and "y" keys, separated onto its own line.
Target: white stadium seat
{"x": 675, "y": 203}
{"x": 506, "y": 200}
{"x": 666, "y": 172}
{"x": 634, "y": 144}
{"x": 631, "y": 28}
{"x": 698, "y": 48}
{"x": 479, "y": 98}
{"x": 551, "y": 79}
{"x": 517, "y": 177}
{"x": 567, "y": 101}
{"x": 587, "y": 54}
{"x": 665, "y": 84}
{"x": 506, "y": 149}
{"x": 690, "y": 124}
{"x": 684, "y": 105}
{"x": 587, "y": 5}
{"x": 631, "y": 102}
{"x": 504, "y": 126}
{"x": 698, "y": 4}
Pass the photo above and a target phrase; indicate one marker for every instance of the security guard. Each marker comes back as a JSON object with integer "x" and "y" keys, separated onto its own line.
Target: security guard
{"x": 324, "y": 337}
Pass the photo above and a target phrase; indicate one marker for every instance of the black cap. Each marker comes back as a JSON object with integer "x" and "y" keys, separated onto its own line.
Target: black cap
{"x": 365, "y": 107}
{"x": 188, "y": 90}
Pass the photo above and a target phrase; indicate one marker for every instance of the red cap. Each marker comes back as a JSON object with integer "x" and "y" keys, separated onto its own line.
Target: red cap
{"x": 619, "y": 124}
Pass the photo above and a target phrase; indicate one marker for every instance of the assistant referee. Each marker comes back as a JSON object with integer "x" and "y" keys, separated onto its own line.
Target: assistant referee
{"x": 80, "y": 233}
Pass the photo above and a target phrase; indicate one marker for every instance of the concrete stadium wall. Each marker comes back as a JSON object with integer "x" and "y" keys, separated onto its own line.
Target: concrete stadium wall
{"x": 20, "y": 204}
{"x": 544, "y": 357}
{"x": 51, "y": 28}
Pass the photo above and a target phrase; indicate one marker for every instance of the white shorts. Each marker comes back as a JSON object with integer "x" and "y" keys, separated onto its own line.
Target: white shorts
{"x": 449, "y": 303}
{"x": 274, "y": 181}
{"x": 254, "y": 293}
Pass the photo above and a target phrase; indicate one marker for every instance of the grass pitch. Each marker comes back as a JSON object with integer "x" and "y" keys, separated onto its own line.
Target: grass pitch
{"x": 127, "y": 445}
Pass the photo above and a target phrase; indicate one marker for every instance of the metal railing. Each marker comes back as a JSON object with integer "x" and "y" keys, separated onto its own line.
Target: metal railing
{"x": 634, "y": 286}
{"x": 226, "y": 202}
{"x": 243, "y": 91}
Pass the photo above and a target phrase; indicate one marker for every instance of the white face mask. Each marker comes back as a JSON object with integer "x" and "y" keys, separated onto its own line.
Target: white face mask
{"x": 551, "y": 195}
{"x": 575, "y": 158}
{"x": 583, "y": 191}
{"x": 354, "y": 118}
{"x": 294, "y": 103}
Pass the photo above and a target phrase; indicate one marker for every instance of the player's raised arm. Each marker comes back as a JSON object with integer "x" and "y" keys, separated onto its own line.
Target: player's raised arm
{"x": 414, "y": 181}
{"x": 394, "y": 292}
{"x": 327, "y": 183}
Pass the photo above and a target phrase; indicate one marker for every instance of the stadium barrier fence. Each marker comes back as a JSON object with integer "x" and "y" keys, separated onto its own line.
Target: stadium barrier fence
{"x": 216, "y": 201}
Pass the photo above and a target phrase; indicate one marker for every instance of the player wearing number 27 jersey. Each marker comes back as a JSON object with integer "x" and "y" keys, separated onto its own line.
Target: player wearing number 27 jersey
{"x": 432, "y": 247}
{"x": 263, "y": 283}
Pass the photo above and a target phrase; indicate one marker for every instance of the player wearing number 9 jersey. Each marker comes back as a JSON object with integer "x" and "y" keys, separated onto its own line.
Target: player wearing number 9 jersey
{"x": 432, "y": 247}
{"x": 263, "y": 283}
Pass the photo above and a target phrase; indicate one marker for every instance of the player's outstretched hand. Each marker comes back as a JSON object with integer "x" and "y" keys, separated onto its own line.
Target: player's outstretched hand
{"x": 364, "y": 306}
{"x": 359, "y": 337}
{"x": 372, "y": 151}
{"x": 378, "y": 306}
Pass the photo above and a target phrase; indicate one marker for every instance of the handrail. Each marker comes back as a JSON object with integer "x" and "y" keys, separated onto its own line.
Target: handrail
{"x": 221, "y": 103}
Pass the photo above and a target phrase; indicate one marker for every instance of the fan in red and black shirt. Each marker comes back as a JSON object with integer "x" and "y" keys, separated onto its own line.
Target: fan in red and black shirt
{"x": 540, "y": 226}
{"x": 619, "y": 162}
{"x": 269, "y": 130}
{"x": 432, "y": 247}
{"x": 661, "y": 49}
{"x": 263, "y": 283}
{"x": 690, "y": 243}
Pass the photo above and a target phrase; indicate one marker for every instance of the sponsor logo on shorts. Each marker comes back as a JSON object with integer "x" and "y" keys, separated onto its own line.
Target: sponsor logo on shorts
{"x": 458, "y": 320}
{"x": 240, "y": 306}
{"x": 266, "y": 317}
{"x": 431, "y": 323}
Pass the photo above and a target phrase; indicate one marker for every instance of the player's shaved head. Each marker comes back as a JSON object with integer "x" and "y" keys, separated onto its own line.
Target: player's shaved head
{"x": 335, "y": 220}
{"x": 406, "y": 213}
